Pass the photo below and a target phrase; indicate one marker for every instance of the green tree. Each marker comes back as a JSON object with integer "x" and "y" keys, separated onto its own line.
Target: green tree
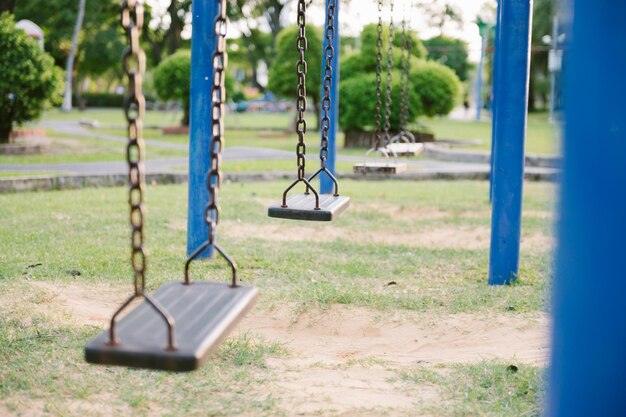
{"x": 282, "y": 73}
{"x": 451, "y": 52}
{"x": 29, "y": 79}
{"x": 434, "y": 87}
{"x": 172, "y": 78}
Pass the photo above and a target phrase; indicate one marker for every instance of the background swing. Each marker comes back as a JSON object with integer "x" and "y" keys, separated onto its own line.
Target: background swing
{"x": 403, "y": 143}
{"x": 178, "y": 326}
{"x": 382, "y": 137}
{"x": 312, "y": 205}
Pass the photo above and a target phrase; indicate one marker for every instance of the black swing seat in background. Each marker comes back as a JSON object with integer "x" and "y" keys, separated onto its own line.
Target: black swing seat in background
{"x": 203, "y": 314}
{"x": 302, "y": 207}
{"x": 403, "y": 144}
{"x": 386, "y": 167}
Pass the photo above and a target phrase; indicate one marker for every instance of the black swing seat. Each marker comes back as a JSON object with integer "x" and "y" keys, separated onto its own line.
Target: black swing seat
{"x": 302, "y": 207}
{"x": 406, "y": 149}
{"x": 203, "y": 312}
{"x": 379, "y": 168}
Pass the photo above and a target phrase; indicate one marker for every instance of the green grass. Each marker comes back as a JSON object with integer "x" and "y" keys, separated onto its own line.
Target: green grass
{"x": 89, "y": 223}
{"x": 12, "y": 174}
{"x": 542, "y": 137}
{"x": 74, "y": 149}
{"x": 41, "y": 365}
{"x": 487, "y": 388}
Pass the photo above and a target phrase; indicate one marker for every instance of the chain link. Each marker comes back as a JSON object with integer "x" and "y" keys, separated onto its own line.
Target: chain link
{"x": 405, "y": 83}
{"x": 134, "y": 64}
{"x": 301, "y": 68}
{"x": 218, "y": 92}
{"x": 379, "y": 78}
{"x": 386, "y": 138}
{"x": 329, "y": 54}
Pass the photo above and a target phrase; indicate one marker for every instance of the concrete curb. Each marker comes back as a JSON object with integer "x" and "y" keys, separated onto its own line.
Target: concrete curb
{"x": 70, "y": 182}
{"x": 439, "y": 153}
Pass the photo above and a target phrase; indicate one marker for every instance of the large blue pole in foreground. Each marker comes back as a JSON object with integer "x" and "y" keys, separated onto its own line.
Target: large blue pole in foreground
{"x": 510, "y": 134}
{"x": 587, "y": 374}
{"x": 202, "y": 48}
{"x": 326, "y": 185}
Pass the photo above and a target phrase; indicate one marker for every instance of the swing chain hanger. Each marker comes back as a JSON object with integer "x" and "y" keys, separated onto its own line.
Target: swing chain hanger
{"x": 379, "y": 80}
{"x": 405, "y": 74}
{"x": 214, "y": 177}
{"x": 301, "y": 103}
{"x": 386, "y": 138}
{"x": 328, "y": 74}
{"x": 134, "y": 65}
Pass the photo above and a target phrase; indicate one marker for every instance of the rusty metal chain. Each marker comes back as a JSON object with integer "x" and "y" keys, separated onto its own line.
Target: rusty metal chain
{"x": 301, "y": 68}
{"x": 218, "y": 93}
{"x": 405, "y": 74}
{"x": 379, "y": 77}
{"x": 387, "y": 126}
{"x": 134, "y": 65}
{"x": 329, "y": 54}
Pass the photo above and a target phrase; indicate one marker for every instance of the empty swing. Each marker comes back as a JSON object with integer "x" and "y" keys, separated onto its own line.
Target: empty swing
{"x": 312, "y": 205}
{"x": 403, "y": 143}
{"x": 382, "y": 137}
{"x": 177, "y": 326}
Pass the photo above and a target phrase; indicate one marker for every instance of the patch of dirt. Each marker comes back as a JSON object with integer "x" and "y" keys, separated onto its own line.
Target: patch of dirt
{"x": 92, "y": 305}
{"x": 443, "y": 237}
{"x": 346, "y": 358}
{"x": 344, "y": 361}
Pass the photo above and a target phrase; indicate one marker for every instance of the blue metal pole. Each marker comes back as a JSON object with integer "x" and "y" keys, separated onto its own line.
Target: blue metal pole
{"x": 326, "y": 185}
{"x": 494, "y": 93}
{"x": 202, "y": 48}
{"x": 589, "y": 300}
{"x": 510, "y": 134}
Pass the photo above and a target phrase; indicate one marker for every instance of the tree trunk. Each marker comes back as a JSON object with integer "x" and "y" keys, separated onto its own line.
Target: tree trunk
{"x": 185, "y": 121}
{"x": 175, "y": 28}
{"x": 5, "y": 130}
{"x": 7, "y": 6}
{"x": 67, "y": 98}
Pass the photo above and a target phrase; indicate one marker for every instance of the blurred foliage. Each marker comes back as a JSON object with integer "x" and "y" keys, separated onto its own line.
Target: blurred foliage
{"x": 30, "y": 81}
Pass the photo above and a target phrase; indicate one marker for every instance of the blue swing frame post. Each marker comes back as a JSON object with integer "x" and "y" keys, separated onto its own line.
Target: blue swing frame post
{"x": 509, "y": 135}
{"x": 586, "y": 376}
{"x": 494, "y": 98}
{"x": 326, "y": 184}
{"x": 200, "y": 125}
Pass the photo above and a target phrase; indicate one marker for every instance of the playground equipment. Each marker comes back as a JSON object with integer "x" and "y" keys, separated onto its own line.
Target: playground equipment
{"x": 177, "y": 327}
{"x": 315, "y": 207}
{"x": 403, "y": 143}
{"x": 382, "y": 137}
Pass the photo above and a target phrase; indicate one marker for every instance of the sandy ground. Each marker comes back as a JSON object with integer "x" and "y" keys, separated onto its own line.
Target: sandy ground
{"x": 345, "y": 361}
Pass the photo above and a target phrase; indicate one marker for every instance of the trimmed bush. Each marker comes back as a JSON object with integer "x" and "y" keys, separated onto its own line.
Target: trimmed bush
{"x": 434, "y": 87}
{"x": 437, "y": 86}
{"x": 29, "y": 80}
{"x": 357, "y": 107}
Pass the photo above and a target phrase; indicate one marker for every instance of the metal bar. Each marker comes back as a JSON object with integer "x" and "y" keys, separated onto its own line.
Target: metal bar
{"x": 510, "y": 134}
{"x": 200, "y": 125}
{"x": 494, "y": 97}
{"x": 326, "y": 183}
{"x": 589, "y": 299}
